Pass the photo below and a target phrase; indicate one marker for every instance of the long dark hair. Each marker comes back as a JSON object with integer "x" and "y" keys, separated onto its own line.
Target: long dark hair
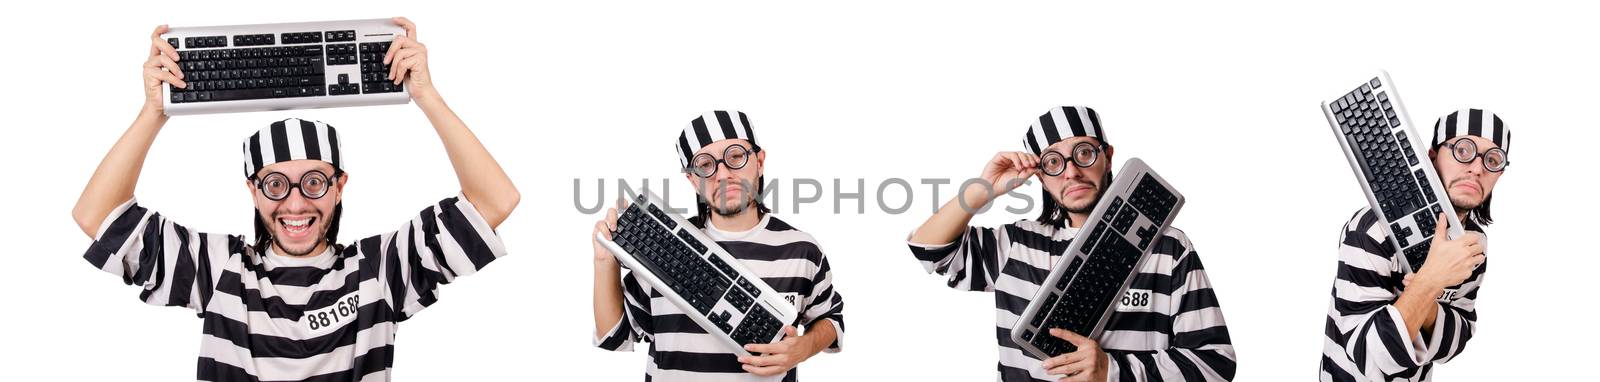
{"x": 1480, "y": 214}
{"x": 1055, "y": 214}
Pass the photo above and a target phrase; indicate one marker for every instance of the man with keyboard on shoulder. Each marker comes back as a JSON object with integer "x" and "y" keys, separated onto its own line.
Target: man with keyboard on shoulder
{"x": 1168, "y": 326}
{"x": 294, "y": 304}
{"x": 1387, "y": 325}
{"x": 721, "y": 158}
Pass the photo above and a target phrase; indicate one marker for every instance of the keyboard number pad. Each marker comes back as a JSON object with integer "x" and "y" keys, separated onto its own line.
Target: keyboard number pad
{"x": 757, "y": 327}
{"x": 1092, "y": 290}
{"x": 374, "y": 73}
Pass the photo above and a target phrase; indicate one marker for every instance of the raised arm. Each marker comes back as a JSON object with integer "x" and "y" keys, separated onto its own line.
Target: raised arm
{"x": 482, "y": 181}
{"x": 113, "y": 181}
{"x": 1005, "y": 172}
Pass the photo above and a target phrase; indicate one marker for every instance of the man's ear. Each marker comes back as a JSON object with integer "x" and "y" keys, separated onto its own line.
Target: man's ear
{"x": 1110, "y": 150}
{"x": 1433, "y": 153}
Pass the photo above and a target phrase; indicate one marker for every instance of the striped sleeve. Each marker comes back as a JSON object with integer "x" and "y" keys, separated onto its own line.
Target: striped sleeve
{"x": 445, "y": 241}
{"x": 1369, "y": 327}
{"x": 174, "y": 265}
{"x": 1199, "y": 348}
{"x": 972, "y": 262}
{"x": 824, "y": 303}
{"x": 636, "y": 323}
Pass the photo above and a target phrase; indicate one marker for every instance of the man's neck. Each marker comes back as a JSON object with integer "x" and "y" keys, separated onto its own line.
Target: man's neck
{"x": 1075, "y": 220}
{"x": 742, "y": 221}
{"x": 321, "y": 246}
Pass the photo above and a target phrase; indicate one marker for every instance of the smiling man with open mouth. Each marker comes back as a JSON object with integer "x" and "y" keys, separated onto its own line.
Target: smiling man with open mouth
{"x": 294, "y": 304}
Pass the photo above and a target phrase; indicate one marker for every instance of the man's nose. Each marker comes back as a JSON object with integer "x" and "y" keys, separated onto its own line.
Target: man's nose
{"x": 1073, "y": 171}
{"x": 1475, "y": 167}
{"x": 295, "y": 201}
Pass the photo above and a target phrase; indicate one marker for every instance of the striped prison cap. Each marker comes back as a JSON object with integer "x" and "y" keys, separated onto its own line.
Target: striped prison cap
{"x": 1061, "y": 123}
{"x": 291, "y": 139}
{"x": 1482, "y": 123}
{"x": 710, "y": 127}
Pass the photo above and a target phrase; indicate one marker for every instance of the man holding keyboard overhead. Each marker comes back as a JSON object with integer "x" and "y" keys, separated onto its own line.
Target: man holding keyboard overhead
{"x": 293, "y": 303}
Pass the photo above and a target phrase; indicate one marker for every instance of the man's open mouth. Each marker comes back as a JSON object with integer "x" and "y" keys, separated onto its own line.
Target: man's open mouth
{"x": 297, "y": 227}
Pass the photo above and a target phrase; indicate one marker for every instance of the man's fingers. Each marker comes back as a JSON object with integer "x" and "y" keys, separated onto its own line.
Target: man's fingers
{"x": 759, "y": 360}
{"x": 762, "y": 371}
{"x": 155, "y": 39}
{"x": 392, "y": 57}
{"x": 401, "y": 57}
{"x": 780, "y": 347}
{"x": 1073, "y": 338}
{"x": 406, "y": 68}
{"x": 171, "y": 66}
{"x": 167, "y": 77}
{"x": 405, "y": 23}
{"x": 1069, "y": 369}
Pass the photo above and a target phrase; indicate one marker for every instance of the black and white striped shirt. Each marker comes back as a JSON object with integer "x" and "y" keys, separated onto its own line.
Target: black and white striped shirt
{"x": 1365, "y": 336}
{"x": 1178, "y": 335}
{"x": 267, "y": 317}
{"x": 788, "y": 260}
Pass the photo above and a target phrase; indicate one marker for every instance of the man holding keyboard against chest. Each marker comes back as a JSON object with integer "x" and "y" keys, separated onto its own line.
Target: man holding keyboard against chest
{"x": 1167, "y": 327}
{"x": 1385, "y": 324}
{"x": 720, "y": 156}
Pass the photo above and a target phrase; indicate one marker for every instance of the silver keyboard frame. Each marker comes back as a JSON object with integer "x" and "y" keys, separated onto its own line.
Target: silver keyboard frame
{"x": 769, "y": 299}
{"x": 1454, "y": 229}
{"x": 368, "y": 30}
{"x": 1126, "y": 179}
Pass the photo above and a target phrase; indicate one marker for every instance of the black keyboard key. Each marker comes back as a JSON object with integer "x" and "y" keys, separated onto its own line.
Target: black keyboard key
{"x": 740, "y": 300}
{"x": 749, "y": 287}
{"x": 758, "y": 327}
{"x": 301, "y": 38}
{"x": 1089, "y": 295}
{"x": 722, "y": 266}
{"x": 1418, "y": 254}
{"x": 1099, "y": 229}
{"x": 340, "y": 36}
{"x": 1124, "y": 220}
{"x": 1152, "y": 200}
{"x": 662, "y": 216}
{"x": 1425, "y": 222}
{"x": 254, "y": 39}
{"x": 205, "y": 42}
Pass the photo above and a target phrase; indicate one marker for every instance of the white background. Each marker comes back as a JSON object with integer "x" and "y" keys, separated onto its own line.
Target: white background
{"x": 1221, "y": 99}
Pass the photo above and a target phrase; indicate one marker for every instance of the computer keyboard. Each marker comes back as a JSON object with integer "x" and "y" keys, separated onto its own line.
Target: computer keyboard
{"x": 692, "y": 271}
{"x": 283, "y": 66}
{"x": 1391, "y": 162}
{"x": 1099, "y": 262}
